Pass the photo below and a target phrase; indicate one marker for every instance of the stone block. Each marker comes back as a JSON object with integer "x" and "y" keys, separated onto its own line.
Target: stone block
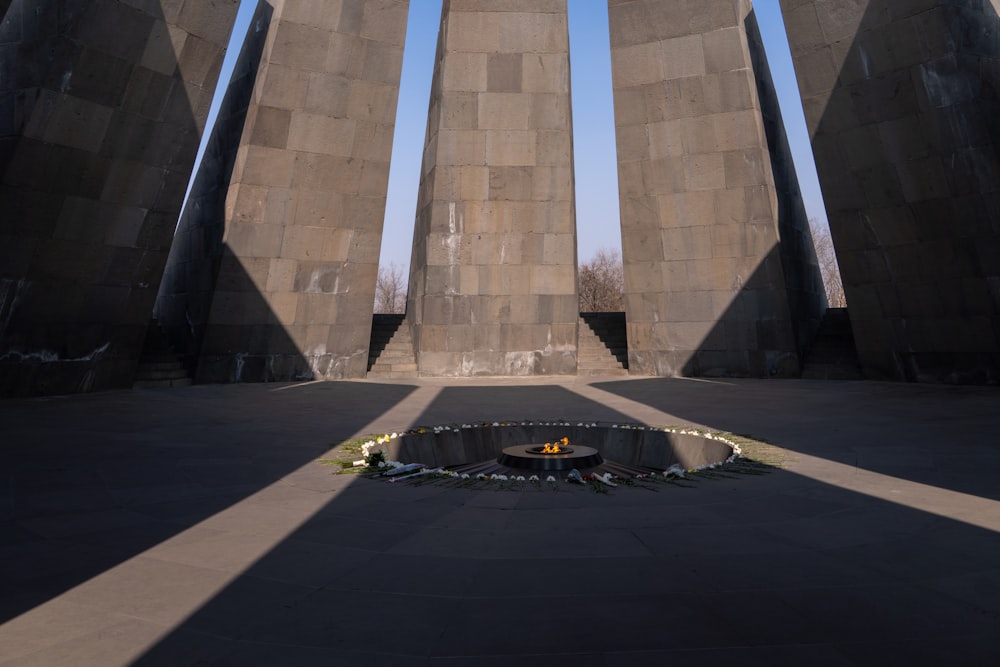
{"x": 725, "y": 50}
{"x": 510, "y": 147}
{"x": 504, "y": 72}
{"x": 288, "y": 88}
{"x": 465, "y": 72}
{"x": 300, "y": 47}
{"x": 321, "y": 134}
{"x": 544, "y": 73}
{"x": 460, "y": 111}
{"x": 745, "y": 168}
{"x": 683, "y": 57}
{"x": 711, "y": 171}
{"x": 504, "y": 111}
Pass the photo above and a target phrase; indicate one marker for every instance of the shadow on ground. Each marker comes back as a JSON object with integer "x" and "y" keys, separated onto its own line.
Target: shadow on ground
{"x": 770, "y": 570}
{"x": 93, "y": 481}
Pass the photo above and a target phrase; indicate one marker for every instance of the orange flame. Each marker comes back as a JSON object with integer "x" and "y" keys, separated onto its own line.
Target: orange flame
{"x": 554, "y": 448}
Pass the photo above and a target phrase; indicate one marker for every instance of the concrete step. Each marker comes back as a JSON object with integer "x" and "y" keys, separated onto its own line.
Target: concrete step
{"x": 397, "y": 358}
{"x": 390, "y": 354}
{"x": 589, "y": 372}
{"x": 391, "y": 375}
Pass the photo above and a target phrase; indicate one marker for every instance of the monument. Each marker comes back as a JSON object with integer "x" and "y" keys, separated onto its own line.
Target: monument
{"x": 271, "y": 273}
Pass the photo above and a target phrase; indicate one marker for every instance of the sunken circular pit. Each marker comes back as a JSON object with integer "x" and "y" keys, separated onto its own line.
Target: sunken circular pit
{"x": 515, "y": 448}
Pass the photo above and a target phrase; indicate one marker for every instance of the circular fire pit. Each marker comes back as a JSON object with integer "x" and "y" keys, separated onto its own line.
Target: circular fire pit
{"x": 624, "y": 450}
{"x": 533, "y": 457}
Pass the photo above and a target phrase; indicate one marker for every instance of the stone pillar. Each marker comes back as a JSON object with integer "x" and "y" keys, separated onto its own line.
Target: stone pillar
{"x": 294, "y": 283}
{"x": 493, "y": 275}
{"x": 901, "y": 104}
{"x": 101, "y": 109}
{"x": 704, "y": 283}
{"x": 197, "y": 253}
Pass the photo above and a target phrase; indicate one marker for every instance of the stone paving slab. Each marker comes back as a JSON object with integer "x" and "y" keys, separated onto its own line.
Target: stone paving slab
{"x": 195, "y": 526}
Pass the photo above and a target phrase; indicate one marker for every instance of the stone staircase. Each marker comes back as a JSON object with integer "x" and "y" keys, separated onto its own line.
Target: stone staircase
{"x": 390, "y": 353}
{"x": 159, "y": 366}
{"x": 832, "y": 355}
{"x": 603, "y": 346}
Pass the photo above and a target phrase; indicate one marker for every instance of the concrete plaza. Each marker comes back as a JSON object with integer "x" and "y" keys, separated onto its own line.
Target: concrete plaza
{"x": 195, "y": 526}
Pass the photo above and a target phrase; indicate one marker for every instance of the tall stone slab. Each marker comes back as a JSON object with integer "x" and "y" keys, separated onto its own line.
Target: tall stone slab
{"x": 197, "y": 254}
{"x": 493, "y": 275}
{"x": 294, "y": 278}
{"x": 901, "y": 103}
{"x": 101, "y": 109}
{"x": 705, "y": 286}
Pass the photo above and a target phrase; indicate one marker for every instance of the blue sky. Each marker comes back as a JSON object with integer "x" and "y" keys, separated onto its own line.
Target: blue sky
{"x": 593, "y": 120}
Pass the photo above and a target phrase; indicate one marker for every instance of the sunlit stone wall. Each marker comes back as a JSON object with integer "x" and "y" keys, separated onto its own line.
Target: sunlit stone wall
{"x": 493, "y": 275}
{"x": 294, "y": 282}
{"x": 704, "y": 281}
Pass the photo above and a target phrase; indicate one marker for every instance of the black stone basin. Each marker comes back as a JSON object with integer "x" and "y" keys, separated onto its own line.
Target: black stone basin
{"x": 530, "y": 458}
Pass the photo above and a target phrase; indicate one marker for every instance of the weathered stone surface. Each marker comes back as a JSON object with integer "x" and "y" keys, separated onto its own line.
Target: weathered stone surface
{"x": 298, "y": 213}
{"x": 900, "y": 101}
{"x": 706, "y": 192}
{"x": 101, "y": 110}
{"x": 493, "y": 275}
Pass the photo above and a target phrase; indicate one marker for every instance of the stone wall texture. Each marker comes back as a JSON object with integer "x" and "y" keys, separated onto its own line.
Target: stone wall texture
{"x": 706, "y": 291}
{"x": 293, "y": 283}
{"x": 493, "y": 275}
{"x": 902, "y": 101}
{"x": 102, "y": 105}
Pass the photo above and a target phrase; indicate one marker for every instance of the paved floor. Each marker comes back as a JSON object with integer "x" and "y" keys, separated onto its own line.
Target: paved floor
{"x": 194, "y": 526}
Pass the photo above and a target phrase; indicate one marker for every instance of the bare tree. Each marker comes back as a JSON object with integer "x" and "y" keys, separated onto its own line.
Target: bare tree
{"x": 601, "y": 283}
{"x": 828, "y": 266}
{"x": 390, "y": 289}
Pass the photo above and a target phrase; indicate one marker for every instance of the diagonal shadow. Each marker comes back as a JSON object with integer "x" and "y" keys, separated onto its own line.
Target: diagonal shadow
{"x": 765, "y": 329}
{"x": 151, "y": 468}
{"x": 902, "y": 113}
{"x": 393, "y": 574}
{"x": 351, "y": 534}
{"x": 960, "y": 419}
{"x": 207, "y": 296}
